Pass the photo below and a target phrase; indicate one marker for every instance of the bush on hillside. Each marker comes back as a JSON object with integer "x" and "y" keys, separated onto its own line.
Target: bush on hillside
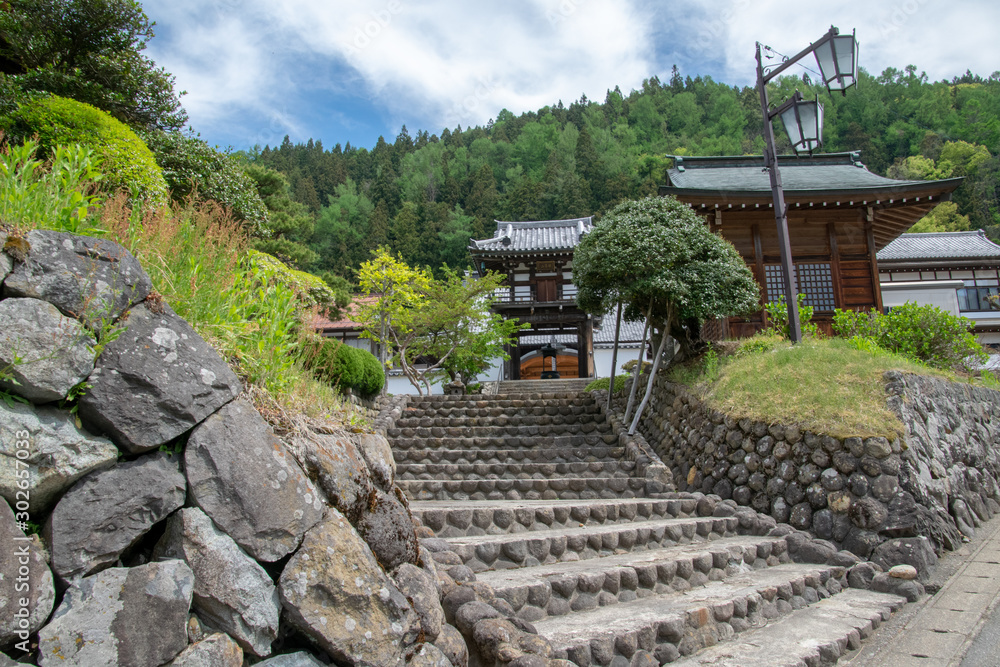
{"x": 602, "y": 383}
{"x": 193, "y": 168}
{"x": 925, "y": 333}
{"x": 126, "y": 162}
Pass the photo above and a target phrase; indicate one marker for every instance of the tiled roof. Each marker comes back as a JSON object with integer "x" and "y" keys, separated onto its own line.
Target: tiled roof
{"x": 630, "y": 336}
{"x": 940, "y": 245}
{"x": 834, "y": 171}
{"x": 539, "y": 235}
{"x": 347, "y": 322}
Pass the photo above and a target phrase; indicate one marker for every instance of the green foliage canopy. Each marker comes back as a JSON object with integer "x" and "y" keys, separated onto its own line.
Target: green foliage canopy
{"x": 657, "y": 254}
{"x": 91, "y": 51}
{"x": 126, "y": 161}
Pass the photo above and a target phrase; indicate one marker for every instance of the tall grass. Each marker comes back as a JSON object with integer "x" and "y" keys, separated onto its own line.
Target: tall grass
{"x": 197, "y": 257}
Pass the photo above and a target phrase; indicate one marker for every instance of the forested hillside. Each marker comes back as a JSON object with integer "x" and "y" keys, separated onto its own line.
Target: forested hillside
{"x": 424, "y": 195}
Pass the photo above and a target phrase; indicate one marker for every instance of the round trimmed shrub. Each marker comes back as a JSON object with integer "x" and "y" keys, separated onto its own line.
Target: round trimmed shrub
{"x": 126, "y": 162}
{"x": 373, "y": 377}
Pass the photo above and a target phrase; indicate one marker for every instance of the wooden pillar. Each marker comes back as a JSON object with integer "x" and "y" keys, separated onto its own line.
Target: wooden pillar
{"x": 838, "y": 287}
{"x": 515, "y": 360}
{"x": 872, "y": 259}
{"x": 585, "y": 348}
{"x": 759, "y": 273}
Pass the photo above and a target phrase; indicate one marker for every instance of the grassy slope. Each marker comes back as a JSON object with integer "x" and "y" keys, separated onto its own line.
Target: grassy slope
{"x": 825, "y": 386}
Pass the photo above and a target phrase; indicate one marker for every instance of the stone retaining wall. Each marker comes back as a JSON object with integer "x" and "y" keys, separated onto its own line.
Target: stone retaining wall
{"x": 869, "y": 496}
{"x": 177, "y": 528}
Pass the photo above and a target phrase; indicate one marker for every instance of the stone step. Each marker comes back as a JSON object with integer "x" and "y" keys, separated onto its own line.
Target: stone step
{"x": 457, "y": 519}
{"x": 682, "y": 623}
{"x": 514, "y": 470}
{"x": 563, "y": 588}
{"x": 560, "y": 384}
{"x": 525, "y": 454}
{"x": 817, "y": 635}
{"x": 585, "y": 488}
{"x": 499, "y": 552}
{"x": 501, "y": 408}
{"x": 514, "y": 400}
{"x": 544, "y": 419}
{"x": 592, "y": 439}
{"x": 496, "y": 431}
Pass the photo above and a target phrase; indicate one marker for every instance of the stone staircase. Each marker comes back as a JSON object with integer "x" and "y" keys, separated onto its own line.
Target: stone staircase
{"x": 534, "y": 492}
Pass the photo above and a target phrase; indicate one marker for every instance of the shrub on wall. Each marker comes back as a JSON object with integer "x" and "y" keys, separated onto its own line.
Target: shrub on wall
{"x": 925, "y": 333}
{"x": 126, "y": 162}
{"x": 345, "y": 367}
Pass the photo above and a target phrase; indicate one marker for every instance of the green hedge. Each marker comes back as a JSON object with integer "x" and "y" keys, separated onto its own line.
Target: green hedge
{"x": 924, "y": 333}
{"x": 346, "y": 367}
{"x": 126, "y": 162}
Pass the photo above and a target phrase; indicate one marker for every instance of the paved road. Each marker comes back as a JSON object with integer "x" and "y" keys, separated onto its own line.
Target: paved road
{"x": 959, "y": 626}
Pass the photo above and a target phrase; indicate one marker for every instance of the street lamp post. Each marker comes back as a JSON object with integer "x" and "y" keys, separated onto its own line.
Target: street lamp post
{"x": 836, "y": 56}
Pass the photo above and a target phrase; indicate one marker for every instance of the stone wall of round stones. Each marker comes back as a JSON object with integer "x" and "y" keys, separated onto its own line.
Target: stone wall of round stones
{"x": 852, "y": 491}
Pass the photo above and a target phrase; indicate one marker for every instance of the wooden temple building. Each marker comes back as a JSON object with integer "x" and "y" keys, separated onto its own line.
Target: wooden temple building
{"x": 839, "y": 216}
{"x": 537, "y": 258}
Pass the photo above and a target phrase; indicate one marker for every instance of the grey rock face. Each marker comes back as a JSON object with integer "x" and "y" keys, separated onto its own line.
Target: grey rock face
{"x": 428, "y": 655}
{"x": 418, "y": 585}
{"x": 132, "y": 617}
{"x": 58, "y": 453}
{"x": 218, "y": 650}
{"x": 334, "y": 591}
{"x": 915, "y": 551}
{"x": 5, "y": 261}
{"x": 172, "y": 379}
{"x": 231, "y": 591}
{"x": 339, "y": 469}
{"x": 40, "y": 594}
{"x": 85, "y": 277}
{"x": 108, "y": 511}
{"x": 300, "y": 659}
{"x": 47, "y": 353}
{"x": 245, "y": 480}
{"x": 453, "y": 645}
{"x": 378, "y": 455}
{"x": 388, "y": 530}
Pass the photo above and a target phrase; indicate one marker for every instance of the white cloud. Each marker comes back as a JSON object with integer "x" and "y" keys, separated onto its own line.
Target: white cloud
{"x": 939, "y": 37}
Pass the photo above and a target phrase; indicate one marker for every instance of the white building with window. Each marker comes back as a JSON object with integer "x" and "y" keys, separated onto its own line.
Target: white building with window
{"x": 955, "y": 271}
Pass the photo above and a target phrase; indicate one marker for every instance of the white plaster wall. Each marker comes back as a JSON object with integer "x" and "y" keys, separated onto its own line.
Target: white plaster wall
{"x": 941, "y": 293}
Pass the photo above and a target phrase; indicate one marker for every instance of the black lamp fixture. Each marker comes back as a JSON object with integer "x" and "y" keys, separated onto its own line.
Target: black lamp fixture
{"x": 837, "y": 57}
{"x": 551, "y": 350}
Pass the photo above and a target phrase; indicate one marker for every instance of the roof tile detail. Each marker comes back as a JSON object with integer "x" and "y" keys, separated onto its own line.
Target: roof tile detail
{"x": 539, "y": 235}
{"x": 940, "y": 245}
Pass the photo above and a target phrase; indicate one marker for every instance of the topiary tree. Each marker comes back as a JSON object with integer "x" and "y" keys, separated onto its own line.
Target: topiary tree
{"x": 126, "y": 161}
{"x": 658, "y": 256}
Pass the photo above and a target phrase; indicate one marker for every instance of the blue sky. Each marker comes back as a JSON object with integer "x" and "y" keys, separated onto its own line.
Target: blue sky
{"x": 340, "y": 71}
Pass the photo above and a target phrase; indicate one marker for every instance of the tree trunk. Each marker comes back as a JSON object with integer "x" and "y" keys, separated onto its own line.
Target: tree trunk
{"x": 614, "y": 356}
{"x": 638, "y": 364}
{"x": 649, "y": 385}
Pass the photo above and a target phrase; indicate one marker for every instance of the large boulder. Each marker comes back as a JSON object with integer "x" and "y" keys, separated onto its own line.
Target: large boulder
{"x": 55, "y": 453}
{"x": 89, "y": 278}
{"x": 130, "y": 617}
{"x": 156, "y": 381}
{"x": 6, "y": 263}
{"x": 17, "y": 622}
{"x": 232, "y": 592}
{"x": 422, "y": 591}
{"x": 47, "y": 353}
{"x": 299, "y": 659}
{"x": 378, "y": 455}
{"x": 334, "y": 591}
{"x": 217, "y": 650}
{"x": 915, "y": 551}
{"x": 245, "y": 480}
{"x": 339, "y": 469}
{"x": 387, "y": 527}
{"x": 108, "y": 511}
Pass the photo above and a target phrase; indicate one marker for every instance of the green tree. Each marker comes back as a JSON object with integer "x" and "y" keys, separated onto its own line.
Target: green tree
{"x": 943, "y": 218}
{"x": 91, "y": 51}
{"x": 397, "y": 289}
{"x": 289, "y": 223}
{"x": 342, "y": 228}
{"x": 657, "y": 256}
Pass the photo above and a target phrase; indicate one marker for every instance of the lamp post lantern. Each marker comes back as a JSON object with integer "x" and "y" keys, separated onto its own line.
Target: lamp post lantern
{"x": 837, "y": 57}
